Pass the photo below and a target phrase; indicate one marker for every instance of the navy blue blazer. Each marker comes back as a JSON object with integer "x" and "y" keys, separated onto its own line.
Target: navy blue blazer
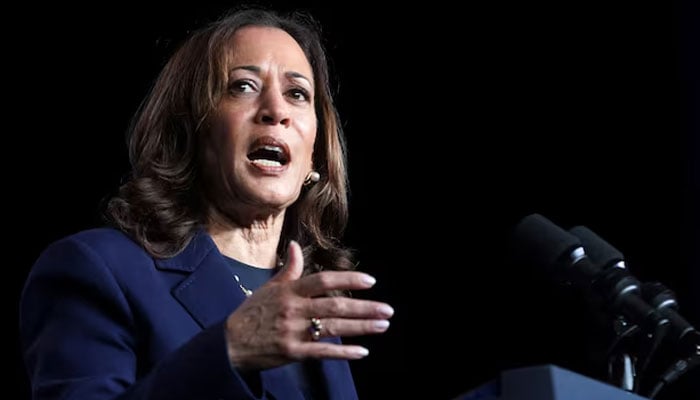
{"x": 102, "y": 319}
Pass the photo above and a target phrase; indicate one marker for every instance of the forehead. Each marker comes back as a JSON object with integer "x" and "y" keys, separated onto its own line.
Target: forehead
{"x": 266, "y": 46}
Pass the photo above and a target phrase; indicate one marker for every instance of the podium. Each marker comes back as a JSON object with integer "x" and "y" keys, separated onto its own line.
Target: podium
{"x": 546, "y": 382}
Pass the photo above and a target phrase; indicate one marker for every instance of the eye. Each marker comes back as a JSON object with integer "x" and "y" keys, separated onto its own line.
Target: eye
{"x": 242, "y": 86}
{"x": 299, "y": 94}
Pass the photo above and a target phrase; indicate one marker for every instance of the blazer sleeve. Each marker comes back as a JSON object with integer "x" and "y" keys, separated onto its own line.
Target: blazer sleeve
{"x": 80, "y": 339}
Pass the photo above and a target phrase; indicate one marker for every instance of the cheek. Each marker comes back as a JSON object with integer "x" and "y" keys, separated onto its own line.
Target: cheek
{"x": 222, "y": 134}
{"x": 308, "y": 130}
{"x": 218, "y": 148}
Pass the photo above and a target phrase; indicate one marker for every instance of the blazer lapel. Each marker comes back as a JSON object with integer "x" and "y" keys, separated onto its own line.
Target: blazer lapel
{"x": 208, "y": 293}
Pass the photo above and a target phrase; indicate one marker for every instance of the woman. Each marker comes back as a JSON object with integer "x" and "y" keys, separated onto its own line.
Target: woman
{"x": 221, "y": 275}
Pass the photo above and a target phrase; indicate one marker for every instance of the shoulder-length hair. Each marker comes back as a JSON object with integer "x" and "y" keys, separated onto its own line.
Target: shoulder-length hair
{"x": 159, "y": 205}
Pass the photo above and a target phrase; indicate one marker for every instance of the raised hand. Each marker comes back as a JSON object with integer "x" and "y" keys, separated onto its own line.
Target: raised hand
{"x": 274, "y": 325}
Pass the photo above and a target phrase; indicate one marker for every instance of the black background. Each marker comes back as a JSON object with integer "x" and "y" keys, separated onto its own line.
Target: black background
{"x": 460, "y": 121}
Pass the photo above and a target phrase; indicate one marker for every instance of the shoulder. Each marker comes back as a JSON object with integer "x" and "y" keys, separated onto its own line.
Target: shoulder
{"x": 102, "y": 239}
{"x": 102, "y": 261}
{"x": 99, "y": 240}
{"x": 99, "y": 245}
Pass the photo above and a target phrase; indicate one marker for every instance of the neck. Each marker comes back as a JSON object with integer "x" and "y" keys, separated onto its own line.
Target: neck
{"x": 254, "y": 245}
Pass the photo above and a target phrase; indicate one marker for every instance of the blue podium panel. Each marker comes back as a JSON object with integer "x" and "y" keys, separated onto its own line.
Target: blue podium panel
{"x": 547, "y": 382}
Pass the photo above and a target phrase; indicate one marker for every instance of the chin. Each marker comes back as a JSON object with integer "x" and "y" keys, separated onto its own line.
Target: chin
{"x": 277, "y": 201}
{"x": 270, "y": 194}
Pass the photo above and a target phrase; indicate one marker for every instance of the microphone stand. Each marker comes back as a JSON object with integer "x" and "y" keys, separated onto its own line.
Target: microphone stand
{"x": 621, "y": 363}
{"x": 683, "y": 340}
{"x": 631, "y": 353}
{"x": 675, "y": 371}
{"x": 652, "y": 347}
{"x": 639, "y": 328}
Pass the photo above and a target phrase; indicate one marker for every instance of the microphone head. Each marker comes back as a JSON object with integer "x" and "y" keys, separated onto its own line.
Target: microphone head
{"x": 659, "y": 295}
{"x": 538, "y": 241}
{"x": 600, "y": 252}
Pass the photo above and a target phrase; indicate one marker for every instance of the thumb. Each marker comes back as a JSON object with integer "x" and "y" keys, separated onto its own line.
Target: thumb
{"x": 295, "y": 263}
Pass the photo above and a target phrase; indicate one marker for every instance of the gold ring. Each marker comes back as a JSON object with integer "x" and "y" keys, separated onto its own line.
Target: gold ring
{"x": 315, "y": 329}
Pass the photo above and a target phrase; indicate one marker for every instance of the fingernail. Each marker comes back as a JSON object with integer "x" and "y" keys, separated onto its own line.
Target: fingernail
{"x": 385, "y": 310}
{"x": 368, "y": 280}
{"x": 382, "y": 324}
{"x": 359, "y": 352}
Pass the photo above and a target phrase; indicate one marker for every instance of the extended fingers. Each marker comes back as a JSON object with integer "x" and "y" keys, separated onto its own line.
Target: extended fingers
{"x": 330, "y": 350}
{"x": 310, "y": 346}
{"x": 318, "y": 328}
{"x": 322, "y": 282}
{"x": 340, "y": 316}
{"x": 343, "y": 307}
{"x": 352, "y": 327}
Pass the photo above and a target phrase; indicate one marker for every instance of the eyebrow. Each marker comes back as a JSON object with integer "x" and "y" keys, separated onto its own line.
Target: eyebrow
{"x": 256, "y": 69}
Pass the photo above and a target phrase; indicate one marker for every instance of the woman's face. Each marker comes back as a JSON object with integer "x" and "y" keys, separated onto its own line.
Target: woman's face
{"x": 259, "y": 149}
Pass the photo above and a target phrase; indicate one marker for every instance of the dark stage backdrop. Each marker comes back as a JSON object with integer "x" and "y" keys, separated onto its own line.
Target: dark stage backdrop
{"x": 460, "y": 121}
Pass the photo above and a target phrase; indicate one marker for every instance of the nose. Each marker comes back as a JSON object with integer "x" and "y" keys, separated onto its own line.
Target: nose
{"x": 273, "y": 109}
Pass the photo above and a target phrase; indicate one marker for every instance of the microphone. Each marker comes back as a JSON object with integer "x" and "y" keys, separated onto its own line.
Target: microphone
{"x": 656, "y": 294}
{"x": 600, "y": 251}
{"x": 681, "y": 333}
{"x": 664, "y": 300}
{"x": 539, "y": 241}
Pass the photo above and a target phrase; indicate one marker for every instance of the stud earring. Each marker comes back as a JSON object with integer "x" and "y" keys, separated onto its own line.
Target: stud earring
{"x": 312, "y": 177}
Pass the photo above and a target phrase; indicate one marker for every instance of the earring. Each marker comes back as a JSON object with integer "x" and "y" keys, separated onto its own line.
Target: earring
{"x": 312, "y": 177}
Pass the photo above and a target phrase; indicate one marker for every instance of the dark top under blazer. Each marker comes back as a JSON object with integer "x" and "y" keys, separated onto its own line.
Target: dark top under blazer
{"x": 101, "y": 319}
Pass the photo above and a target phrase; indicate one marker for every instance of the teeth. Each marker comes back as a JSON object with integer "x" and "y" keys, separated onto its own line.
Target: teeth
{"x": 272, "y": 148}
{"x": 267, "y": 163}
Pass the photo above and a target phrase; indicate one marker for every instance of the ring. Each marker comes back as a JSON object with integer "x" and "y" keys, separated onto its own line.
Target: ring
{"x": 315, "y": 329}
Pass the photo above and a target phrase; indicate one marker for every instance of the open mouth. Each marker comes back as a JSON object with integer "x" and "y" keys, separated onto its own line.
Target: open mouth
{"x": 269, "y": 153}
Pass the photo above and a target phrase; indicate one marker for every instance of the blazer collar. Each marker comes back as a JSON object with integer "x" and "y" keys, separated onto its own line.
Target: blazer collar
{"x": 192, "y": 256}
{"x": 209, "y": 293}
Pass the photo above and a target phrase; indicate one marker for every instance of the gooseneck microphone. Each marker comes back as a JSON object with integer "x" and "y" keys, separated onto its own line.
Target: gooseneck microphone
{"x": 540, "y": 242}
{"x": 682, "y": 338}
{"x": 662, "y": 299}
{"x": 599, "y": 250}
{"x": 649, "y": 311}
